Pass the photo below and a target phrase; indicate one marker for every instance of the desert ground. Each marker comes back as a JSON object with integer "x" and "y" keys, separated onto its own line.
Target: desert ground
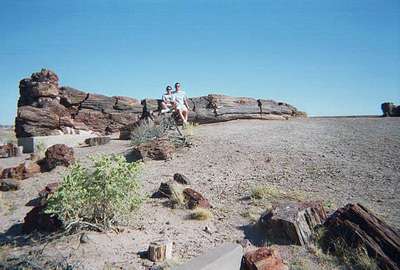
{"x": 337, "y": 160}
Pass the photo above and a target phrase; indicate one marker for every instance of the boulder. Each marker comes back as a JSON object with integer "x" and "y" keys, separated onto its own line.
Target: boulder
{"x": 32, "y": 121}
{"x": 195, "y": 199}
{"x": 9, "y": 184}
{"x": 181, "y": 179}
{"x": 263, "y": 258}
{"x": 94, "y": 120}
{"x": 292, "y": 223}
{"x": 97, "y": 140}
{"x": 158, "y": 149}
{"x": 58, "y": 154}
{"x": 389, "y": 109}
{"x": 360, "y": 228}
{"x": 22, "y": 171}
{"x": 37, "y": 219}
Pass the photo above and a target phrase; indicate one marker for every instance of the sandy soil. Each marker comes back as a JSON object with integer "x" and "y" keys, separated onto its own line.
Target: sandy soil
{"x": 340, "y": 160}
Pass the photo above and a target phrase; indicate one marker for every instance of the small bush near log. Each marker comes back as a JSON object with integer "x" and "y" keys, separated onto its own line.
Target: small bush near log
{"x": 201, "y": 214}
{"x": 102, "y": 196}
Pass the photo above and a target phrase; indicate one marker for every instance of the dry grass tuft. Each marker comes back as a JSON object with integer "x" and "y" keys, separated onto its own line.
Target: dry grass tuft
{"x": 272, "y": 194}
{"x": 177, "y": 198}
{"x": 201, "y": 214}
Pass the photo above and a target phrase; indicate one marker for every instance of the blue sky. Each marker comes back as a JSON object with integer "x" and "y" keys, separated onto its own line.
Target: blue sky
{"x": 327, "y": 57}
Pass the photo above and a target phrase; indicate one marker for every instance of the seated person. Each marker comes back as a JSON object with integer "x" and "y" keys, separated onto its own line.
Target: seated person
{"x": 167, "y": 100}
{"x": 181, "y": 103}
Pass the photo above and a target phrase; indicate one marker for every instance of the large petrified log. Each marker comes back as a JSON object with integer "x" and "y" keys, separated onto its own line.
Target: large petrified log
{"x": 359, "y": 228}
{"x": 44, "y": 109}
{"x": 263, "y": 258}
{"x": 292, "y": 223}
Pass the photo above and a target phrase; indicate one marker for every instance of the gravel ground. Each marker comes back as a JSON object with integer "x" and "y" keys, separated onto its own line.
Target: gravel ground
{"x": 339, "y": 160}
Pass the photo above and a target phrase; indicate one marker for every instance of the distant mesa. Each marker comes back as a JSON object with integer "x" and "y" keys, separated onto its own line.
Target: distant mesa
{"x": 389, "y": 109}
{"x": 45, "y": 108}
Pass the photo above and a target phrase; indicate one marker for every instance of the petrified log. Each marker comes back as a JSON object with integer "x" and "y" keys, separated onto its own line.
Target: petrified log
{"x": 263, "y": 259}
{"x": 158, "y": 149}
{"x": 292, "y": 223}
{"x": 22, "y": 171}
{"x": 9, "y": 150}
{"x": 160, "y": 251}
{"x": 389, "y": 109}
{"x": 360, "y": 228}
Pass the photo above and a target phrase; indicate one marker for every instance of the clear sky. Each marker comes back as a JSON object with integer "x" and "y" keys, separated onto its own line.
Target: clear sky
{"x": 327, "y": 57}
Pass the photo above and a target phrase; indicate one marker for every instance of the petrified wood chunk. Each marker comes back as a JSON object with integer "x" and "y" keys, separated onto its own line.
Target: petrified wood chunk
{"x": 158, "y": 149}
{"x": 195, "y": 199}
{"x": 160, "y": 251}
{"x": 292, "y": 223}
{"x": 263, "y": 259}
{"x": 58, "y": 154}
{"x": 358, "y": 227}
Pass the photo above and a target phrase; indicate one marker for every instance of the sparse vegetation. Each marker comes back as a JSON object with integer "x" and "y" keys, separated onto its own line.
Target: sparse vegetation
{"x": 272, "y": 194}
{"x": 103, "y": 196}
{"x": 177, "y": 198}
{"x": 40, "y": 148}
{"x": 354, "y": 258}
{"x": 201, "y": 214}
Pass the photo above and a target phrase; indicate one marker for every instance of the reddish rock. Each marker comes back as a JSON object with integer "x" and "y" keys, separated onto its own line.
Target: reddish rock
{"x": 32, "y": 121}
{"x": 292, "y": 223}
{"x": 94, "y": 120}
{"x": 159, "y": 149}
{"x": 195, "y": 199}
{"x": 263, "y": 259}
{"x": 360, "y": 228}
{"x": 9, "y": 150}
{"x": 71, "y": 96}
{"x": 37, "y": 219}
{"x": 22, "y": 171}
{"x": 58, "y": 154}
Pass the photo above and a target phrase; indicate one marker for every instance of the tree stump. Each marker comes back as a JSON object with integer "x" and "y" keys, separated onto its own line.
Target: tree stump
{"x": 359, "y": 228}
{"x": 292, "y": 223}
{"x": 160, "y": 251}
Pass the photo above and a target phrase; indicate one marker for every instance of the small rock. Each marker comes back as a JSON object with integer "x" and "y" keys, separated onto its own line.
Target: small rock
{"x": 195, "y": 199}
{"x": 58, "y": 154}
{"x": 180, "y": 178}
{"x": 9, "y": 184}
{"x": 160, "y": 251}
{"x": 97, "y": 140}
{"x": 84, "y": 238}
{"x": 263, "y": 259}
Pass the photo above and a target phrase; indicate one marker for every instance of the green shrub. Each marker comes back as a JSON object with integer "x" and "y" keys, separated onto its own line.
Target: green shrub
{"x": 104, "y": 195}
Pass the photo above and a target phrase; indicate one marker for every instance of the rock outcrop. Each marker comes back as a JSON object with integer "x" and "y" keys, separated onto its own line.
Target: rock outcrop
{"x": 45, "y": 108}
{"x": 389, "y": 109}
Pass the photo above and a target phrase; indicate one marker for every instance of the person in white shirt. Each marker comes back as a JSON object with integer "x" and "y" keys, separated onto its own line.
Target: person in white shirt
{"x": 181, "y": 103}
{"x": 167, "y": 100}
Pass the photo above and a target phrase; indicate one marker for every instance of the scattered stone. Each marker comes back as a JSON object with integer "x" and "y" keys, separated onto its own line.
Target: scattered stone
{"x": 97, "y": 140}
{"x": 359, "y": 228}
{"x": 22, "y": 171}
{"x": 58, "y": 154}
{"x": 84, "y": 238}
{"x": 37, "y": 219}
{"x": 158, "y": 149}
{"x": 195, "y": 199}
{"x": 160, "y": 251}
{"x": 292, "y": 223}
{"x": 180, "y": 178}
{"x": 263, "y": 259}
{"x": 9, "y": 184}
{"x": 9, "y": 150}
{"x": 164, "y": 191}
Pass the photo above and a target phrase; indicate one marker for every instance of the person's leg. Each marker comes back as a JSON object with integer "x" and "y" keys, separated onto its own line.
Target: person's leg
{"x": 181, "y": 115}
{"x": 185, "y": 115}
{"x": 164, "y": 107}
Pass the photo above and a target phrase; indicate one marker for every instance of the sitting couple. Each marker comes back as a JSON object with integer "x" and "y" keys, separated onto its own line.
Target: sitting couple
{"x": 177, "y": 101}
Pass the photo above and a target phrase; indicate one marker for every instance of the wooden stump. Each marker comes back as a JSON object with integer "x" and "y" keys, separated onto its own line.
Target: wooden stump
{"x": 292, "y": 223}
{"x": 160, "y": 251}
{"x": 359, "y": 228}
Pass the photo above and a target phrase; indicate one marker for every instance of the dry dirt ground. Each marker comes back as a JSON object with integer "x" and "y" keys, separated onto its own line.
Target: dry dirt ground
{"x": 339, "y": 160}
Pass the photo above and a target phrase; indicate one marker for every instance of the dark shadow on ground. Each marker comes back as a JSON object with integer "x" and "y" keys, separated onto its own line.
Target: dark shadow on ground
{"x": 254, "y": 233}
{"x": 14, "y": 236}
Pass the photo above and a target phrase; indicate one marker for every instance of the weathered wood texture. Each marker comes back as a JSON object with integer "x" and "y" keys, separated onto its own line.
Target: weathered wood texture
{"x": 360, "y": 228}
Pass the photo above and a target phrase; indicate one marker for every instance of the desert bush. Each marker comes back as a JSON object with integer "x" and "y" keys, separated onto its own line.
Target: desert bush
{"x": 104, "y": 195}
{"x": 201, "y": 214}
{"x": 177, "y": 198}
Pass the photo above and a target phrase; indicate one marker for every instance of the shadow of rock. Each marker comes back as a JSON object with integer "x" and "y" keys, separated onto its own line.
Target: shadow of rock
{"x": 255, "y": 234}
{"x": 15, "y": 236}
{"x": 34, "y": 202}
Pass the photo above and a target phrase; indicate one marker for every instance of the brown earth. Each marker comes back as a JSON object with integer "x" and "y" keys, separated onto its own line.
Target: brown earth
{"x": 340, "y": 160}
